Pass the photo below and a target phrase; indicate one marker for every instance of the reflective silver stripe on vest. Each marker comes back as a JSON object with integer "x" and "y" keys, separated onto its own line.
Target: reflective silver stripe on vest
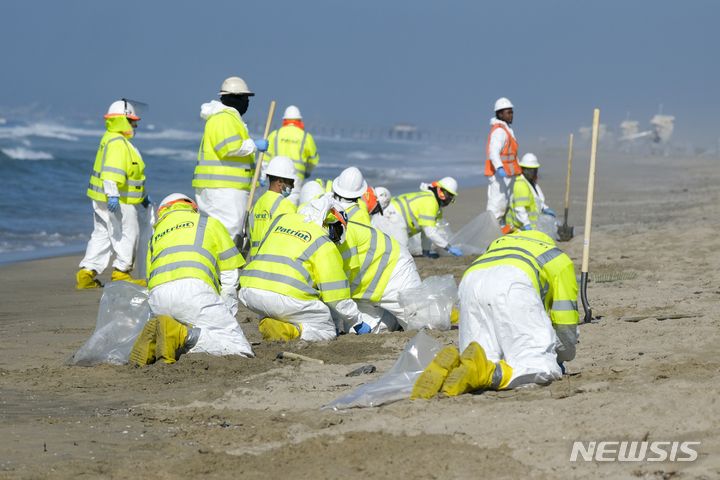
{"x": 256, "y": 244}
{"x": 352, "y": 211}
{"x": 223, "y": 178}
{"x": 336, "y": 285}
{"x": 427, "y": 217}
{"x": 275, "y": 205}
{"x": 497, "y": 377}
{"x": 349, "y": 253}
{"x": 546, "y": 257}
{"x": 226, "y": 163}
{"x": 384, "y": 261}
{"x": 403, "y": 204}
{"x": 234, "y": 138}
{"x": 366, "y": 263}
{"x": 135, "y": 183}
{"x": 564, "y": 306}
{"x": 277, "y": 277}
{"x": 508, "y": 157}
{"x": 96, "y": 188}
{"x": 185, "y": 264}
{"x": 287, "y": 261}
{"x": 482, "y": 260}
{"x": 272, "y": 225}
{"x": 228, "y": 254}
{"x": 124, "y": 194}
{"x": 114, "y": 170}
{"x": 522, "y": 199}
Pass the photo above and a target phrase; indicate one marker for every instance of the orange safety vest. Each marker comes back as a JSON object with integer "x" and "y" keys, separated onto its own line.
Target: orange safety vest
{"x": 508, "y": 154}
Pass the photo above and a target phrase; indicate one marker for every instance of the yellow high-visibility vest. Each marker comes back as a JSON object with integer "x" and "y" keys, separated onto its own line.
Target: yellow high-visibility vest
{"x": 297, "y": 258}
{"x": 550, "y": 270}
{"x": 267, "y": 207}
{"x": 117, "y": 160}
{"x": 188, "y": 245}
{"x": 369, "y": 258}
{"x": 419, "y": 209}
{"x": 224, "y": 132}
{"x": 295, "y": 143}
{"x": 523, "y": 196}
{"x": 358, "y": 214}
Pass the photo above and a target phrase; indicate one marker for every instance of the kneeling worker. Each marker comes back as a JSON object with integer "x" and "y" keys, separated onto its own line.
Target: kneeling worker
{"x": 186, "y": 255}
{"x": 414, "y": 213}
{"x": 506, "y": 335}
{"x": 274, "y": 202}
{"x": 528, "y": 200}
{"x": 297, "y": 271}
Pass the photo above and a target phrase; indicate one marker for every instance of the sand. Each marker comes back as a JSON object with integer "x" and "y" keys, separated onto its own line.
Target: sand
{"x": 233, "y": 417}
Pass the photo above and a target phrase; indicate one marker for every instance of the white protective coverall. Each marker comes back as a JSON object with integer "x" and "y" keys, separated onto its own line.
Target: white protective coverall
{"x": 193, "y": 302}
{"x": 491, "y": 303}
{"x": 499, "y": 189}
{"x": 112, "y": 233}
{"x": 225, "y": 204}
{"x": 315, "y": 316}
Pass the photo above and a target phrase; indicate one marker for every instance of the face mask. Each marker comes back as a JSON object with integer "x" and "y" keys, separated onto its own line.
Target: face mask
{"x": 238, "y": 102}
{"x": 286, "y": 192}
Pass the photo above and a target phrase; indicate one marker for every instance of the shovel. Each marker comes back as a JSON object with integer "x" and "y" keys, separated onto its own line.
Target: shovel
{"x": 566, "y": 232}
{"x": 588, "y": 219}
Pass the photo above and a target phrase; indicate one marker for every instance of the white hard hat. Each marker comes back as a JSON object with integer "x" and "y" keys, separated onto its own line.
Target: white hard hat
{"x": 282, "y": 167}
{"x": 235, "y": 86}
{"x": 529, "y": 161}
{"x": 502, "y": 104}
{"x": 383, "y": 196}
{"x": 292, "y": 112}
{"x": 449, "y": 184}
{"x": 350, "y": 183}
{"x": 175, "y": 198}
{"x": 309, "y": 191}
{"x": 121, "y": 107}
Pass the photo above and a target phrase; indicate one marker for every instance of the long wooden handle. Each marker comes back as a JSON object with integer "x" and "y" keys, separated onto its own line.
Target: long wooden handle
{"x": 591, "y": 191}
{"x": 295, "y": 356}
{"x": 258, "y": 163}
{"x": 567, "y": 190}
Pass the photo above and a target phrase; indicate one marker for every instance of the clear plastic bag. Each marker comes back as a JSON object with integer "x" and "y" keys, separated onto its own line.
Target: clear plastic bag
{"x": 548, "y": 225}
{"x": 397, "y": 383}
{"x": 476, "y": 236}
{"x": 123, "y": 313}
{"x": 429, "y": 305}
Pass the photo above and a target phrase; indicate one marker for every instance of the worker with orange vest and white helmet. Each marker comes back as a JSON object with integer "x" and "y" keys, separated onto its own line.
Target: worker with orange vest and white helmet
{"x": 501, "y": 165}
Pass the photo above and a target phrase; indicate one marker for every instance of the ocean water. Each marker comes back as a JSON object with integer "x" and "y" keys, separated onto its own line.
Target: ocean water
{"x": 45, "y": 169}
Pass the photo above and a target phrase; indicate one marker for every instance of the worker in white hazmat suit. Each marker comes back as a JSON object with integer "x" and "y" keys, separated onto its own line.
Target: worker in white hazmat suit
{"x": 419, "y": 212}
{"x": 117, "y": 190}
{"x": 501, "y": 164}
{"x": 186, "y": 255}
{"x": 518, "y": 320}
{"x": 527, "y": 201}
{"x": 297, "y": 276}
{"x": 226, "y": 161}
{"x": 383, "y": 198}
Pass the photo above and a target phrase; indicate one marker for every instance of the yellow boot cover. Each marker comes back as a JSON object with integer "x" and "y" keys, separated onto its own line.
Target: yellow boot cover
{"x": 171, "y": 337}
{"x": 455, "y": 316}
{"x": 124, "y": 276}
{"x": 430, "y": 381}
{"x": 272, "y": 329}
{"x": 143, "y": 351}
{"x": 474, "y": 372}
{"x": 86, "y": 279}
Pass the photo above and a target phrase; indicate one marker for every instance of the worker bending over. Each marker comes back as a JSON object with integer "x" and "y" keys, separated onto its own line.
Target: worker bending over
{"x": 528, "y": 201}
{"x": 291, "y": 140}
{"x": 348, "y": 188}
{"x": 518, "y": 320}
{"x": 186, "y": 255}
{"x": 313, "y": 189}
{"x": 501, "y": 165}
{"x": 413, "y": 213}
{"x": 117, "y": 190}
{"x": 274, "y": 202}
{"x": 226, "y": 162}
{"x": 297, "y": 274}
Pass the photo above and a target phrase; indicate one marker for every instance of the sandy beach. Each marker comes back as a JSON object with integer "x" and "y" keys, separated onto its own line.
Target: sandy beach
{"x": 232, "y": 417}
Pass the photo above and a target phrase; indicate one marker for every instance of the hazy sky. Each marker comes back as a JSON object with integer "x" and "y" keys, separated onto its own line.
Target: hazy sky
{"x": 436, "y": 64}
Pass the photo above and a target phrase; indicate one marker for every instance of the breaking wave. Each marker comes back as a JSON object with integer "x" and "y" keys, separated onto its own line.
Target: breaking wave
{"x": 21, "y": 153}
{"x": 173, "y": 153}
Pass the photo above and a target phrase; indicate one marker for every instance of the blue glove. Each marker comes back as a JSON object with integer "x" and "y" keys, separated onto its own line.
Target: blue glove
{"x": 146, "y": 201}
{"x": 562, "y": 367}
{"x": 362, "y": 328}
{"x": 549, "y": 212}
{"x": 262, "y": 144}
{"x": 527, "y": 227}
{"x": 263, "y": 182}
{"x": 429, "y": 254}
{"x": 113, "y": 204}
{"x": 501, "y": 172}
{"x": 455, "y": 251}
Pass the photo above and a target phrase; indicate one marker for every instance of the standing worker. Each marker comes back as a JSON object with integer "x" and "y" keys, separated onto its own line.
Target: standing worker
{"x": 501, "y": 166}
{"x": 226, "y": 162}
{"x": 291, "y": 140}
{"x": 528, "y": 200}
{"x": 117, "y": 189}
{"x": 413, "y": 213}
{"x": 518, "y": 320}
{"x": 274, "y": 202}
{"x": 186, "y": 255}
